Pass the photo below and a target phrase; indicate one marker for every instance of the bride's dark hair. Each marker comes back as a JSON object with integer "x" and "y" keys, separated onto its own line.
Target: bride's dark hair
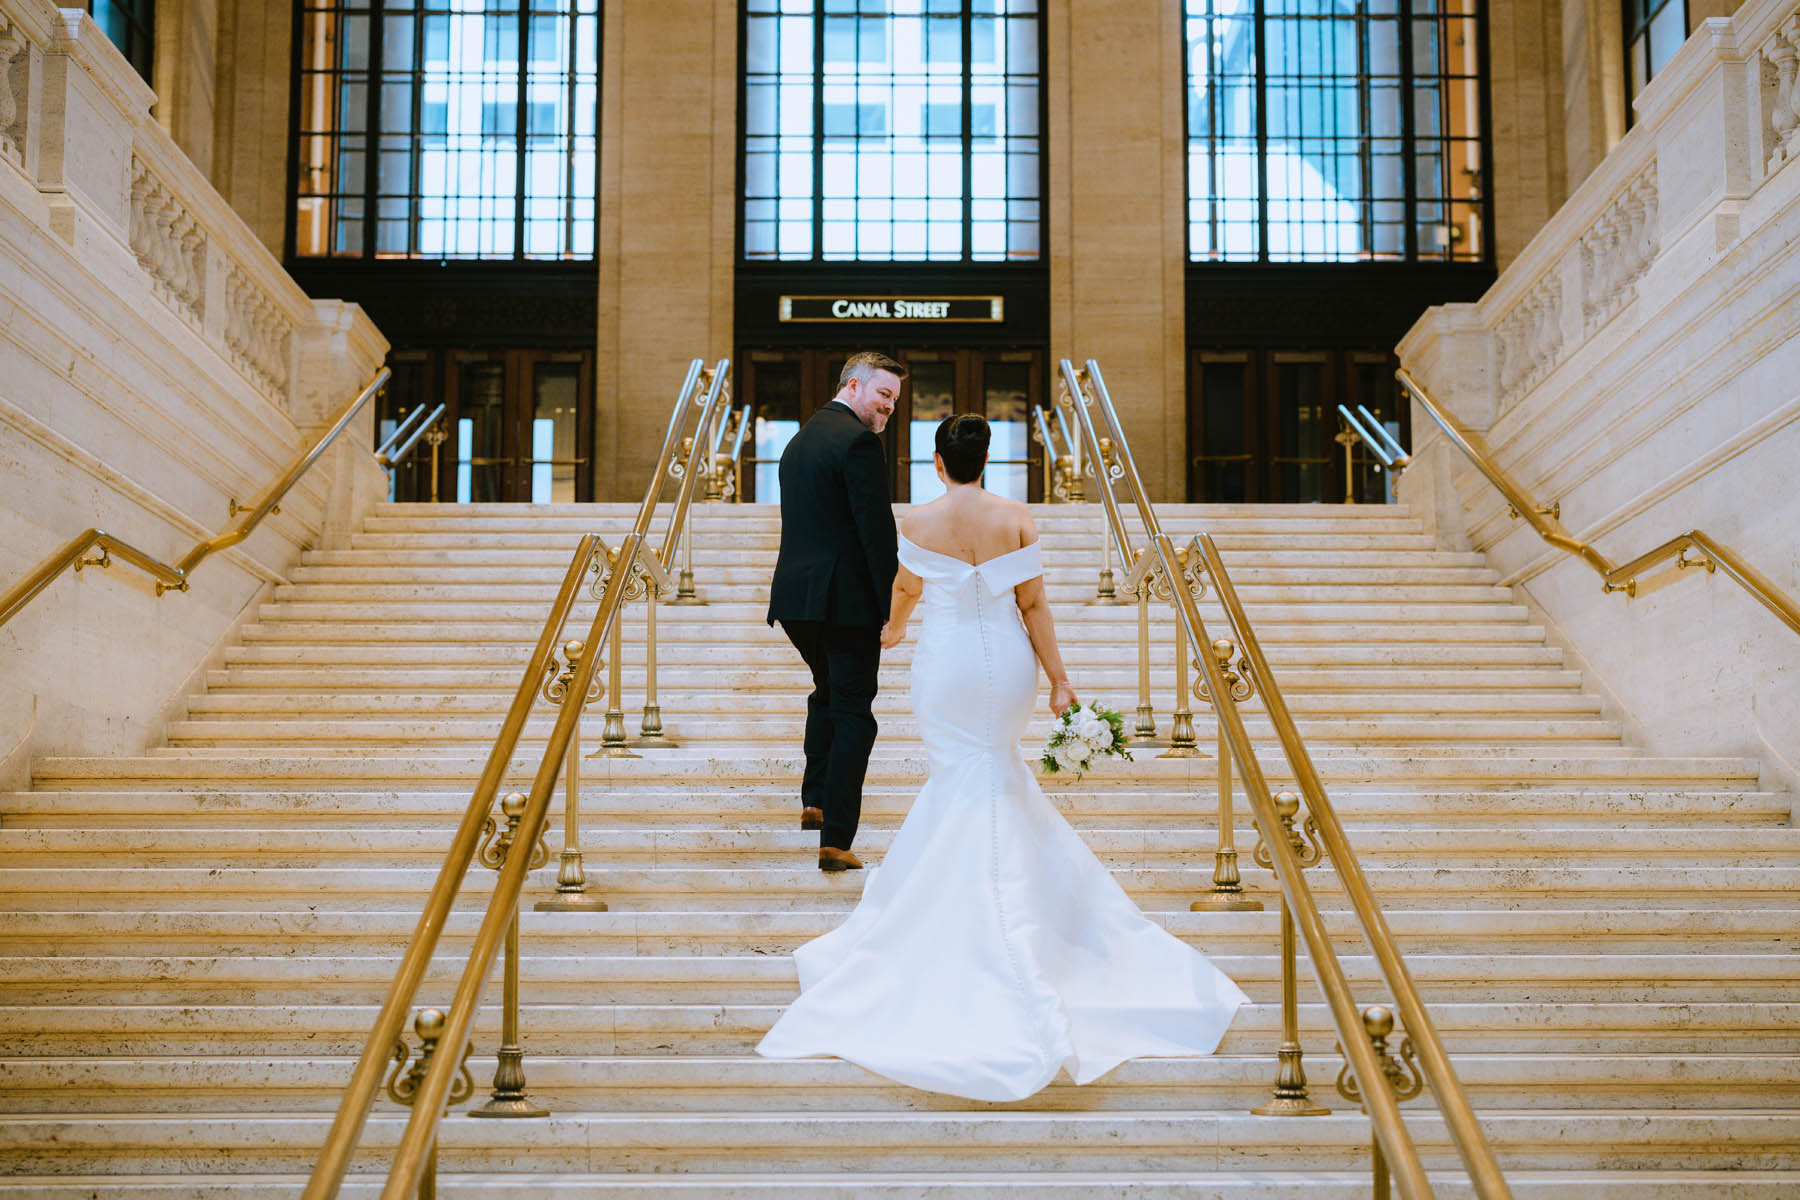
{"x": 962, "y": 442}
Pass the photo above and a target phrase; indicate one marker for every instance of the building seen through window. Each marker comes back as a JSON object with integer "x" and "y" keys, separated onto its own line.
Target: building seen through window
{"x": 892, "y": 130}
{"x": 1334, "y": 131}
{"x": 130, "y": 26}
{"x": 447, "y": 129}
{"x": 1654, "y": 31}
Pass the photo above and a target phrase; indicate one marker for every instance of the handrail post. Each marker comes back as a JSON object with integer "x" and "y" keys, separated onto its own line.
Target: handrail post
{"x": 650, "y": 726}
{"x": 1400, "y": 1074}
{"x": 1346, "y": 439}
{"x": 1227, "y": 893}
{"x": 509, "y": 1099}
{"x": 1290, "y": 1098}
{"x": 1182, "y": 743}
{"x": 403, "y": 1084}
{"x": 614, "y": 742}
{"x": 1145, "y": 729}
{"x": 571, "y": 876}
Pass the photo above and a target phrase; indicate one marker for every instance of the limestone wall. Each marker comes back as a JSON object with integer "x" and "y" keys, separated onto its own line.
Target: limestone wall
{"x": 1638, "y": 364}
{"x": 155, "y": 364}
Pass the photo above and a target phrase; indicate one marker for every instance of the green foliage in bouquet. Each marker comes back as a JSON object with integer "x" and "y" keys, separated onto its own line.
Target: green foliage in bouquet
{"x": 1062, "y": 734}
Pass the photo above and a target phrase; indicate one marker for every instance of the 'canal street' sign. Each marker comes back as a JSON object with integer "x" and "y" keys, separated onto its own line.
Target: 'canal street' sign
{"x": 985, "y": 309}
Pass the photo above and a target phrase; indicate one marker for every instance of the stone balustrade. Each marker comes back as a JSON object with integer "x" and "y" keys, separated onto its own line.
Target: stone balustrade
{"x": 156, "y": 364}
{"x": 71, "y": 113}
{"x": 1639, "y": 364}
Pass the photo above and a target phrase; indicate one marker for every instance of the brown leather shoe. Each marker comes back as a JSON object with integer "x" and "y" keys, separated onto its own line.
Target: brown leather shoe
{"x": 812, "y": 818}
{"x": 833, "y": 859}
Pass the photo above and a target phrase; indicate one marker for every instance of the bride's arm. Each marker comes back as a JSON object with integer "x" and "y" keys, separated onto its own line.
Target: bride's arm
{"x": 907, "y": 589}
{"x": 1040, "y": 627}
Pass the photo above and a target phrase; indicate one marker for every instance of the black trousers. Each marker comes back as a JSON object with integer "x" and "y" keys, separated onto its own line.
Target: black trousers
{"x": 840, "y": 728}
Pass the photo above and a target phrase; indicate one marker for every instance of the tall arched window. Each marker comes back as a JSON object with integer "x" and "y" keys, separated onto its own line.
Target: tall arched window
{"x": 447, "y": 129}
{"x": 1335, "y": 131}
{"x": 887, "y": 130}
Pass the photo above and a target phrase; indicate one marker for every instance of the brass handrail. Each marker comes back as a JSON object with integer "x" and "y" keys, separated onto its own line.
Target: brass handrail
{"x": 346, "y": 1129}
{"x": 175, "y": 577}
{"x": 1384, "y": 1112}
{"x": 676, "y": 530}
{"x": 1547, "y": 523}
{"x": 387, "y": 455}
{"x": 1375, "y": 436}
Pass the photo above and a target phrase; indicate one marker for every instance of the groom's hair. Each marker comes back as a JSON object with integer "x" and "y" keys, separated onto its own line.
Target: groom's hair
{"x": 962, "y": 442}
{"x": 865, "y": 363}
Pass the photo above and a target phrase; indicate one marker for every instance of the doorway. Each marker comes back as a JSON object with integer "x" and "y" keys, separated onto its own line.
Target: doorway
{"x": 1262, "y": 424}
{"x": 785, "y": 387}
{"x": 517, "y": 421}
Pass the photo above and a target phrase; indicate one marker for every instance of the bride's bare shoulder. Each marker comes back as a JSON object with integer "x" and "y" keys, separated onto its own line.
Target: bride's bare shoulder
{"x": 921, "y": 519}
{"x": 1019, "y": 513}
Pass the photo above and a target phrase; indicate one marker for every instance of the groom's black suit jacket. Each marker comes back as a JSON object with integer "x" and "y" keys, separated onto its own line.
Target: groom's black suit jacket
{"x": 838, "y": 545}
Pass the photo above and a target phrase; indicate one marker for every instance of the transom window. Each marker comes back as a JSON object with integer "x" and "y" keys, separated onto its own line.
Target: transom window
{"x": 1334, "y": 130}
{"x": 1654, "y": 31}
{"x": 892, "y": 129}
{"x": 447, "y": 128}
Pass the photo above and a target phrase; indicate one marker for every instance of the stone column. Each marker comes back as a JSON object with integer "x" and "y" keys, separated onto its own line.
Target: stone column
{"x": 667, "y": 240}
{"x": 185, "y": 69}
{"x": 1116, "y": 213}
{"x": 250, "y": 116}
{"x": 1530, "y": 180}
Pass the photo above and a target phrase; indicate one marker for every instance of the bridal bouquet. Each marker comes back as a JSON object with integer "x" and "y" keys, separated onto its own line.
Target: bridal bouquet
{"x": 1082, "y": 735}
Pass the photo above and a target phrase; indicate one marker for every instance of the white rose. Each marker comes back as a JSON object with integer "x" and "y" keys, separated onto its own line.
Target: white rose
{"x": 1070, "y": 756}
{"x": 1090, "y": 728}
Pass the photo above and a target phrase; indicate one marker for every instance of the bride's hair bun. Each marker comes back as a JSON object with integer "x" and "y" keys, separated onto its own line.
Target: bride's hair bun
{"x": 962, "y": 442}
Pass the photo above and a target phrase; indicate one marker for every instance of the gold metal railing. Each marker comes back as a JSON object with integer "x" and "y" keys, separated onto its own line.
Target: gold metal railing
{"x": 1547, "y": 523}
{"x": 630, "y": 564}
{"x": 1284, "y": 850}
{"x": 176, "y": 576}
{"x": 399, "y": 444}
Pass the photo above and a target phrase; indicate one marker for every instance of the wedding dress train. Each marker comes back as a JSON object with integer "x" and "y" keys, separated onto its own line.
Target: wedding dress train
{"x": 991, "y": 949}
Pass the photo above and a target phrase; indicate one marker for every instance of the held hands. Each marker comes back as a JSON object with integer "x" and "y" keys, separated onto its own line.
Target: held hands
{"x": 892, "y": 635}
{"x": 1062, "y": 695}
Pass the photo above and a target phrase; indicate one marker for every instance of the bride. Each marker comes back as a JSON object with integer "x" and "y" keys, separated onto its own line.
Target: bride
{"x": 991, "y": 949}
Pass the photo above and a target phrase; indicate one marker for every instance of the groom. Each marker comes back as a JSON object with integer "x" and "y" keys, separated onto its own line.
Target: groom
{"x": 831, "y": 588}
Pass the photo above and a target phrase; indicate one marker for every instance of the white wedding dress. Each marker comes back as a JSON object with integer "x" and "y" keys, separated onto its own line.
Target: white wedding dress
{"x": 991, "y": 949}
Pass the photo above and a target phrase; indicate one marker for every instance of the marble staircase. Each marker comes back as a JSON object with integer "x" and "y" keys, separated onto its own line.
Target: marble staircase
{"x": 193, "y": 943}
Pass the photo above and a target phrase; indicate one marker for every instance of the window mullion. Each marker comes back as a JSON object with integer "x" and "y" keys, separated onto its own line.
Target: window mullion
{"x": 968, "y": 137}
{"x": 1409, "y": 159}
{"x": 520, "y": 125}
{"x": 818, "y": 157}
{"x": 372, "y": 161}
{"x": 1261, "y": 91}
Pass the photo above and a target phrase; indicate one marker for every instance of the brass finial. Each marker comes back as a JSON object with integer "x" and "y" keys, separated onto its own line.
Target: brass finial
{"x": 1378, "y": 1020}
{"x": 429, "y": 1024}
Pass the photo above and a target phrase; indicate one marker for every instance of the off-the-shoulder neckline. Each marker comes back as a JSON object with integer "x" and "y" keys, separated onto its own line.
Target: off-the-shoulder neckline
{"x": 963, "y": 562}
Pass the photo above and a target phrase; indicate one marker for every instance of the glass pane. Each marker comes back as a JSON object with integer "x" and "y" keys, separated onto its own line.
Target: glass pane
{"x": 476, "y": 112}
{"x": 1323, "y": 178}
{"x": 1305, "y": 433}
{"x": 555, "y": 454}
{"x": 933, "y": 387}
{"x": 776, "y": 405}
{"x": 1006, "y": 401}
{"x": 1224, "y": 458}
{"x": 886, "y": 176}
{"x": 481, "y": 434}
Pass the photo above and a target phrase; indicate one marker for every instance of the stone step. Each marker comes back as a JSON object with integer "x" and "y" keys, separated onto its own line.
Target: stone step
{"x": 1117, "y": 636}
{"x": 493, "y": 702}
{"x": 107, "y": 981}
{"x": 895, "y": 663}
{"x": 450, "y": 733}
{"x": 1302, "y": 550}
{"x": 1293, "y": 679}
{"x": 322, "y": 930}
{"x": 507, "y": 560}
{"x": 748, "y": 809}
{"x": 565, "y": 1083}
{"x": 190, "y": 771}
{"x": 1718, "y": 1139}
{"x": 1226, "y": 1184}
{"x": 803, "y": 886}
{"x": 1190, "y": 845}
